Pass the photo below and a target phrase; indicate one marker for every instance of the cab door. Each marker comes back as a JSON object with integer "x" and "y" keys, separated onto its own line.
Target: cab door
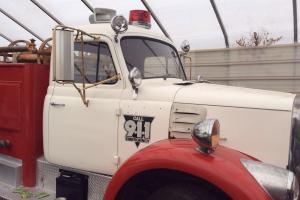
{"x": 80, "y": 136}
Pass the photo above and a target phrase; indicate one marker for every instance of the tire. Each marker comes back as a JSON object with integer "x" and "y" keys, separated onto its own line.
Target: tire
{"x": 181, "y": 191}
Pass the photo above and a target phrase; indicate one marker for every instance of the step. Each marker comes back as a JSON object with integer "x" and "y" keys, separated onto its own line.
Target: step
{"x": 47, "y": 173}
{"x": 10, "y": 170}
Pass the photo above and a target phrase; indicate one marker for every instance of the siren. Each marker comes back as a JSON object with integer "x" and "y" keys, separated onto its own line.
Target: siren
{"x": 140, "y": 18}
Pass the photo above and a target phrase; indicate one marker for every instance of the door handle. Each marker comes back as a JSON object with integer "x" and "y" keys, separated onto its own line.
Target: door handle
{"x": 57, "y": 104}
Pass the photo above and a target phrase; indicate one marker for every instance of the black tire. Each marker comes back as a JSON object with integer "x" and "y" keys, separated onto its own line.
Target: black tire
{"x": 183, "y": 191}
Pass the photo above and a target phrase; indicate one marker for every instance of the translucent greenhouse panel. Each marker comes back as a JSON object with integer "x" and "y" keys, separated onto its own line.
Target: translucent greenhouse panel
{"x": 3, "y": 42}
{"x": 243, "y": 18}
{"x": 13, "y": 31}
{"x": 29, "y": 15}
{"x": 191, "y": 20}
{"x": 69, "y": 12}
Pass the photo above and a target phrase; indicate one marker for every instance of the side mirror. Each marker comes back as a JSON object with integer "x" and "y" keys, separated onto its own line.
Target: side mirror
{"x": 63, "y": 65}
{"x": 135, "y": 78}
{"x": 185, "y": 46}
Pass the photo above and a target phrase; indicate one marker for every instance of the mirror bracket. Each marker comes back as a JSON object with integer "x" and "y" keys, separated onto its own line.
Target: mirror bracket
{"x": 63, "y": 55}
{"x": 116, "y": 38}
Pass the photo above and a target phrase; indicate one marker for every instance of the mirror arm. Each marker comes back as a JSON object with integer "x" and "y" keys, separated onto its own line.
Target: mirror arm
{"x": 135, "y": 94}
{"x": 115, "y": 77}
{"x": 184, "y": 56}
{"x": 116, "y": 38}
{"x": 80, "y": 91}
{"x": 82, "y": 94}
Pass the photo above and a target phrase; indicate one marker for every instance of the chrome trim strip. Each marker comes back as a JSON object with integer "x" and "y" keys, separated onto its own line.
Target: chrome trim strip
{"x": 294, "y": 157}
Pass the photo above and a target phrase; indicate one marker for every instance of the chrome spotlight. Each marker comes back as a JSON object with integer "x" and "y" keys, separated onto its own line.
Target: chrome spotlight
{"x": 207, "y": 133}
{"x": 119, "y": 24}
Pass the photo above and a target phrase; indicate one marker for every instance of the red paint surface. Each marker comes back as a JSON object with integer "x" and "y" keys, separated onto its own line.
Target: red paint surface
{"x": 22, "y": 92}
{"x": 221, "y": 168}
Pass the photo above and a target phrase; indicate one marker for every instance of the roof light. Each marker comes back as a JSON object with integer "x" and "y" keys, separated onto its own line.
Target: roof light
{"x": 102, "y": 15}
{"x": 140, "y": 18}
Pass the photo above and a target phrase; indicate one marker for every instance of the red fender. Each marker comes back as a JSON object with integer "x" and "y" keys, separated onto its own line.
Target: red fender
{"x": 221, "y": 168}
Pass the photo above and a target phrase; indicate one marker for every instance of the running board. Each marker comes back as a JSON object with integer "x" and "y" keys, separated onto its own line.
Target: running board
{"x": 10, "y": 170}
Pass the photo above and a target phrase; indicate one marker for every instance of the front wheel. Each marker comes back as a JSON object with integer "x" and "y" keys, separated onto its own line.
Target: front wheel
{"x": 181, "y": 191}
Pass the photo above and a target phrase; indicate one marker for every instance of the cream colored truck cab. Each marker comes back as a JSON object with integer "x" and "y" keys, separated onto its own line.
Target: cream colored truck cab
{"x": 120, "y": 120}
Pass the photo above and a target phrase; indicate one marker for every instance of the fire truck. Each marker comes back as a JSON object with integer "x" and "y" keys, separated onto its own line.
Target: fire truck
{"x": 106, "y": 112}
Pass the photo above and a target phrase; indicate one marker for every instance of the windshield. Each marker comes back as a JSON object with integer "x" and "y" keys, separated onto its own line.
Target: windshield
{"x": 155, "y": 59}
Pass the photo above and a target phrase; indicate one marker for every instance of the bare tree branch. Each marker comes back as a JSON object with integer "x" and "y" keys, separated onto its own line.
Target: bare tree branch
{"x": 255, "y": 39}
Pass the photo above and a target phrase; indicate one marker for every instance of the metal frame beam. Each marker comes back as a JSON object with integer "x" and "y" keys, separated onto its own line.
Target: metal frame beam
{"x": 162, "y": 28}
{"x": 6, "y": 38}
{"x": 213, "y": 4}
{"x": 46, "y": 11}
{"x": 22, "y": 25}
{"x": 88, "y": 5}
{"x": 295, "y": 16}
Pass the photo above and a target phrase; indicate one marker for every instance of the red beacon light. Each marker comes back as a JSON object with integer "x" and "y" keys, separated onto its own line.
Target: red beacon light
{"x": 140, "y": 18}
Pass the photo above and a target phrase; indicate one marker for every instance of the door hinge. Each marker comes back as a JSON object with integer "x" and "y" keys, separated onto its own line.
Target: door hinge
{"x": 117, "y": 160}
{"x": 118, "y": 112}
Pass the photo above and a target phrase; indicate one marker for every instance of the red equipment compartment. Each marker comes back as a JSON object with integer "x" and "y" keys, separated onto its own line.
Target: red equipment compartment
{"x": 22, "y": 91}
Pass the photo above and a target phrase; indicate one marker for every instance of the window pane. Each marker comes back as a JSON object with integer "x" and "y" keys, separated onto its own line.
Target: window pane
{"x": 98, "y": 62}
{"x": 106, "y": 68}
{"x": 153, "y": 58}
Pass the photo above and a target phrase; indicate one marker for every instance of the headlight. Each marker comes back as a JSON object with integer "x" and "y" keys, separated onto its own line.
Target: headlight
{"x": 279, "y": 183}
{"x": 206, "y": 133}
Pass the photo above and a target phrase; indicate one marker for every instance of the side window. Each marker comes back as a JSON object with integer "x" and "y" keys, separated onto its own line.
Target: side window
{"x": 97, "y": 61}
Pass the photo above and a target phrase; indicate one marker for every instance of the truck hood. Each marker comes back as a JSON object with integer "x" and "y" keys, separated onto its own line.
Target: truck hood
{"x": 228, "y": 96}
